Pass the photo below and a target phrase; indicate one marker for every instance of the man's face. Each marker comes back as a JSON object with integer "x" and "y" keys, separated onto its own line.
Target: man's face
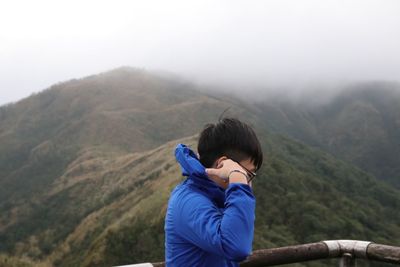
{"x": 249, "y": 165}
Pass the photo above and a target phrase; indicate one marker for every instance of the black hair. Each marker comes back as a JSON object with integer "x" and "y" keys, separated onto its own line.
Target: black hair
{"x": 231, "y": 138}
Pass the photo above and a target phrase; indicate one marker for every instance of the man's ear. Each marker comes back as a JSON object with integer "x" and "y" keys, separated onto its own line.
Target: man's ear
{"x": 219, "y": 161}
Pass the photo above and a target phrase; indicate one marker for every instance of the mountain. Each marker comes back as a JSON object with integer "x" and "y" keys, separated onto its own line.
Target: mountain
{"x": 125, "y": 110}
{"x": 360, "y": 125}
{"x": 86, "y": 168}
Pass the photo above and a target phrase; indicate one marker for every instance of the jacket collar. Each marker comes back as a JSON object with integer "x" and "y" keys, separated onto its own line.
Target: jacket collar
{"x": 196, "y": 173}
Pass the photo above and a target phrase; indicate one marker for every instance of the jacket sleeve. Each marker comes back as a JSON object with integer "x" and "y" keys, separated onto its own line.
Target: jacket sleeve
{"x": 228, "y": 232}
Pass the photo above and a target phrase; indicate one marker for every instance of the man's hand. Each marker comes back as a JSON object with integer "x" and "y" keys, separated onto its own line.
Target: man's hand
{"x": 224, "y": 171}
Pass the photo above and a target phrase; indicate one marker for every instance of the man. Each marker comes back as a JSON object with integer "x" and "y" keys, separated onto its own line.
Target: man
{"x": 210, "y": 216}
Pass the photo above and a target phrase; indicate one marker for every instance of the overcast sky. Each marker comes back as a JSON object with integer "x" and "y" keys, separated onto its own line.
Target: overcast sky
{"x": 242, "y": 43}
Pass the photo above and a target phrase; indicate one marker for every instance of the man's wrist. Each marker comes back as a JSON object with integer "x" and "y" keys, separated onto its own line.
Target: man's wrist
{"x": 237, "y": 176}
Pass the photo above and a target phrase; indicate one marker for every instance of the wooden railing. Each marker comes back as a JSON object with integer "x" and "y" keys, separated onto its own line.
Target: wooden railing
{"x": 346, "y": 250}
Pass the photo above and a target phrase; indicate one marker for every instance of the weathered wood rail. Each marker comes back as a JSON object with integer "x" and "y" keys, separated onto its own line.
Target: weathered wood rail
{"x": 347, "y": 250}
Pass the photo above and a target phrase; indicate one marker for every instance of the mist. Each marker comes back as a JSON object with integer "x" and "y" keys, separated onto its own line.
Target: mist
{"x": 246, "y": 46}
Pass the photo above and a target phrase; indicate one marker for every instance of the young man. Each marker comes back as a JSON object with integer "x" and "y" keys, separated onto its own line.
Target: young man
{"x": 210, "y": 216}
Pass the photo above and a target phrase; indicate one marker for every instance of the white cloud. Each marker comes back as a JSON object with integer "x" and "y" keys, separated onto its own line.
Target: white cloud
{"x": 233, "y": 42}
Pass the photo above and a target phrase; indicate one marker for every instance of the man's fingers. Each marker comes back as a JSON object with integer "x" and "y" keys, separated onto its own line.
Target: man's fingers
{"x": 221, "y": 164}
{"x": 212, "y": 171}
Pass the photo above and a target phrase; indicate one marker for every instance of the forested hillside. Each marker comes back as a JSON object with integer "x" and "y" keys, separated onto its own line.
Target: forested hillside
{"x": 360, "y": 125}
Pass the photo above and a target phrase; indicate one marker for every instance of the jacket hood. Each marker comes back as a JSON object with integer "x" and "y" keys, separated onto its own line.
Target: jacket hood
{"x": 189, "y": 162}
{"x": 196, "y": 173}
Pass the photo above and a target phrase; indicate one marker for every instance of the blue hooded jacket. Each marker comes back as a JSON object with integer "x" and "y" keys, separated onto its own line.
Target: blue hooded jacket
{"x": 206, "y": 225}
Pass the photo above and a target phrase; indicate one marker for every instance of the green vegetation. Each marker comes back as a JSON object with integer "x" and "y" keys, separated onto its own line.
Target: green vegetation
{"x": 138, "y": 242}
{"x": 316, "y": 197}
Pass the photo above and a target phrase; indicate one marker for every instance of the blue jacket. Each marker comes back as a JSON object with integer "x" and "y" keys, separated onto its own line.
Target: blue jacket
{"x": 206, "y": 225}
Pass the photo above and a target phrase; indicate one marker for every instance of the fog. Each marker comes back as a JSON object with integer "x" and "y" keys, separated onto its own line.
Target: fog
{"x": 243, "y": 45}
